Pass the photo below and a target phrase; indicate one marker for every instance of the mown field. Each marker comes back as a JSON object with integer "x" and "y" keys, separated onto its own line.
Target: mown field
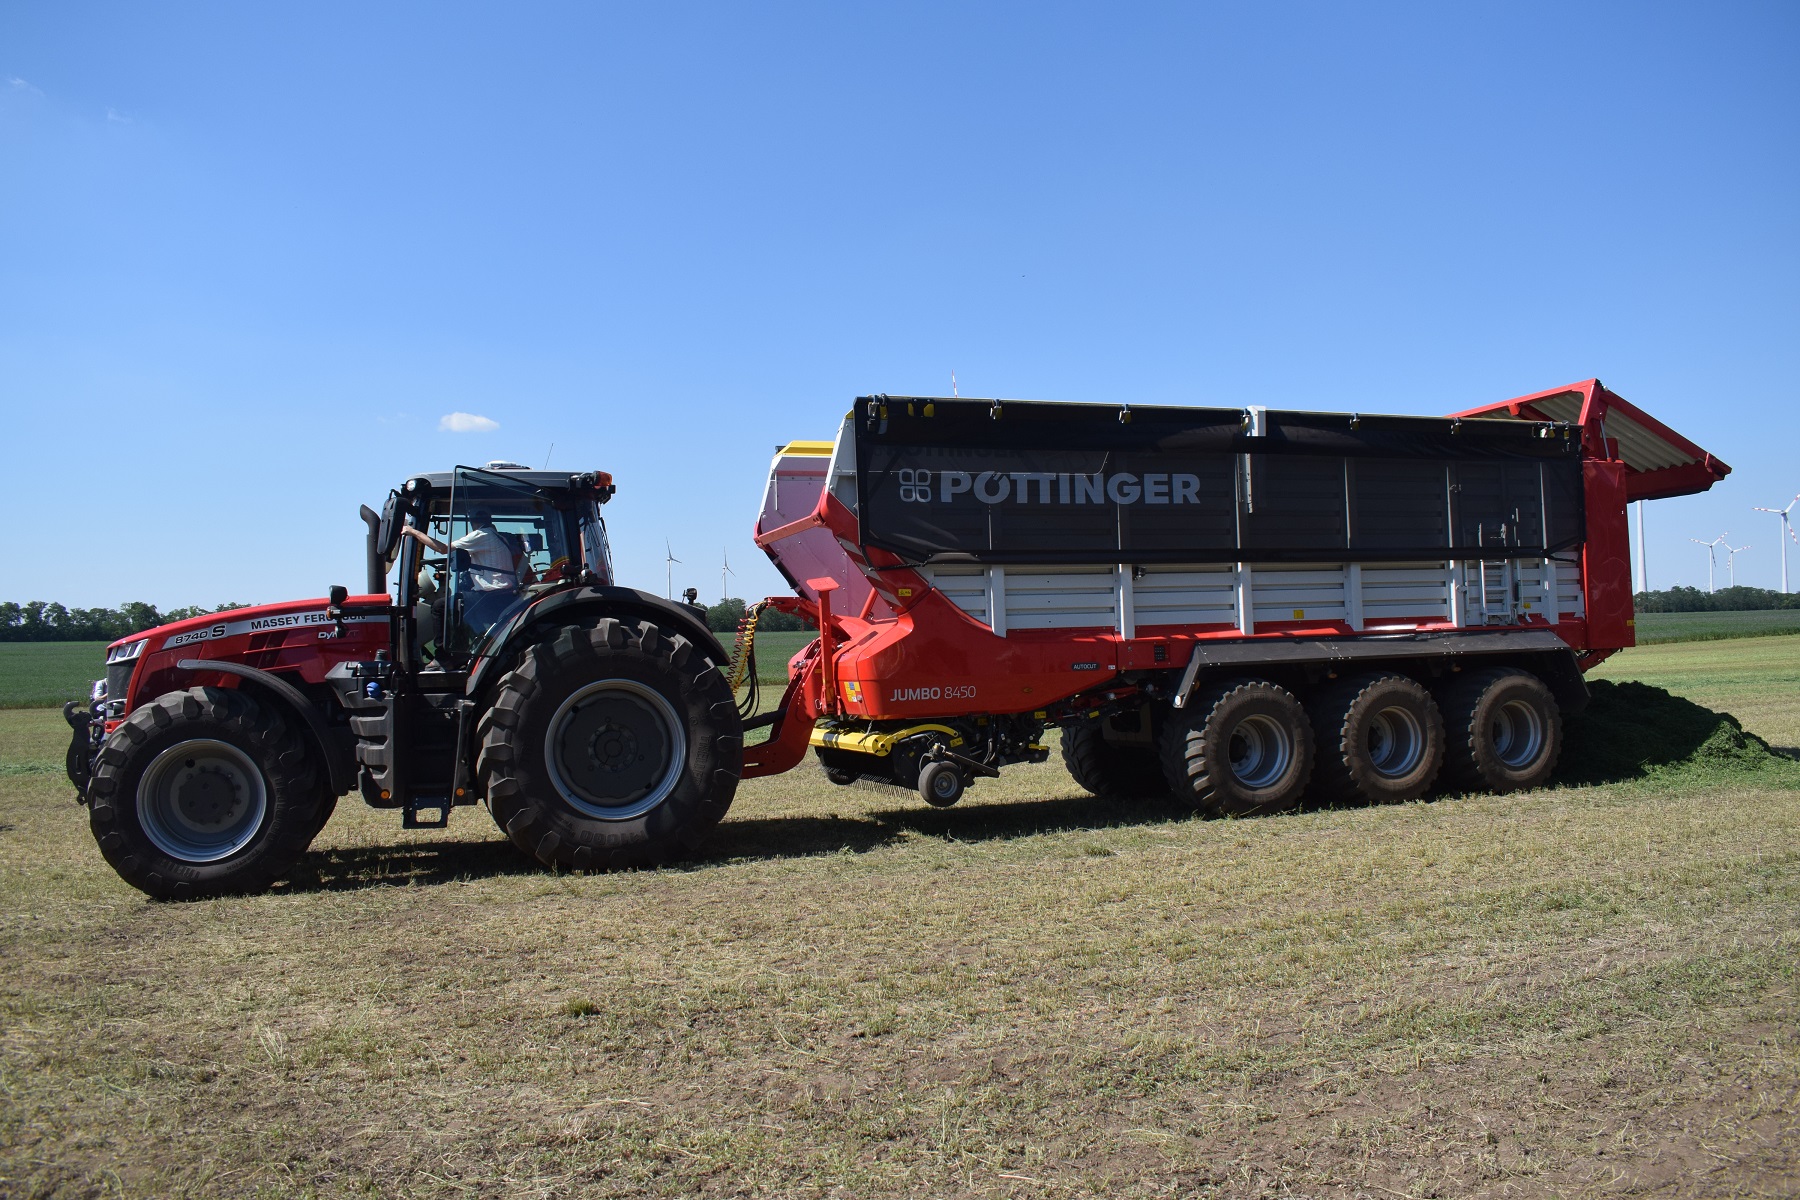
{"x": 1589, "y": 990}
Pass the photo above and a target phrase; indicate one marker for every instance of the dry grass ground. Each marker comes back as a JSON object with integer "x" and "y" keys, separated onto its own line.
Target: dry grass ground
{"x": 1585, "y": 991}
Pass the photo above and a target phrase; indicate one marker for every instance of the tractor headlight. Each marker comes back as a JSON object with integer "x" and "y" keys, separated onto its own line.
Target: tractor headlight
{"x": 127, "y": 652}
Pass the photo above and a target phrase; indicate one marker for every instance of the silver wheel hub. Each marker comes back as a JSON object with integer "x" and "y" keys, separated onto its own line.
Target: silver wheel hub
{"x": 201, "y": 801}
{"x": 1261, "y": 750}
{"x": 1396, "y": 742}
{"x": 615, "y": 749}
{"x": 1518, "y": 731}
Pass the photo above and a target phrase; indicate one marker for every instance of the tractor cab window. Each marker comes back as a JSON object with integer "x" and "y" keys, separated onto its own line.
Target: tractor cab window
{"x": 501, "y": 543}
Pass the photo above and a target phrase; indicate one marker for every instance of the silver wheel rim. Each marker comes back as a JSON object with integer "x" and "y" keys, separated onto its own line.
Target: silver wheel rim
{"x": 615, "y": 749}
{"x": 1396, "y": 742}
{"x": 1518, "y": 733}
{"x": 202, "y": 801}
{"x": 1261, "y": 750}
{"x": 944, "y": 784}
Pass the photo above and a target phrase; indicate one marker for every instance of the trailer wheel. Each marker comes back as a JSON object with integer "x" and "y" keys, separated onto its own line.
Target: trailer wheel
{"x": 1107, "y": 770}
{"x": 840, "y": 776}
{"x": 204, "y": 792}
{"x": 940, "y": 784}
{"x": 1240, "y": 747}
{"x": 1504, "y": 731}
{"x": 611, "y": 746}
{"x": 1379, "y": 737}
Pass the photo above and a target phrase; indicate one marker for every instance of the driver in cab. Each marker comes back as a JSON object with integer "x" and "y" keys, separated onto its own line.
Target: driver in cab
{"x": 497, "y": 566}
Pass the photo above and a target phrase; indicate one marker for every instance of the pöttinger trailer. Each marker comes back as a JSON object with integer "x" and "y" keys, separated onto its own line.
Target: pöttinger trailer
{"x": 1235, "y": 604}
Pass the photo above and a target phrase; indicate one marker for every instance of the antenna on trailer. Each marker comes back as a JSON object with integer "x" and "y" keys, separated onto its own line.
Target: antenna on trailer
{"x": 669, "y": 561}
{"x": 725, "y": 588}
{"x": 547, "y": 454}
{"x": 1787, "y": 530}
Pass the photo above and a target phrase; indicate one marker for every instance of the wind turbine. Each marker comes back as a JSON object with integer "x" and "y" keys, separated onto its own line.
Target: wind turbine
{"x": 669, "y": 561}
{"x": 1731, "y": 560}
{"x": 1787, "y": 529}
{"x": 725, "y": 588}
{"x": 1712, "y": 554}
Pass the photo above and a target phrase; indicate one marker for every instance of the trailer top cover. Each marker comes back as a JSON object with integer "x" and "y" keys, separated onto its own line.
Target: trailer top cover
{"x": 946, "y": 480}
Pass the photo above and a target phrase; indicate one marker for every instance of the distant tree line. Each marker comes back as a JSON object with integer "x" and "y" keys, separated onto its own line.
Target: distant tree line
{"x": 41, "y": 621}
{"x": 1731, "y": 599}
{"x": 724, "y": 616}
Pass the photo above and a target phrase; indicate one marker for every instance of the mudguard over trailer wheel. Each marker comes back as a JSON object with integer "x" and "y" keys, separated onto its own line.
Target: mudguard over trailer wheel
{"x": 1503, "y": 731}
{"x": 204, "y": 792}
{"x": 1377, "y": 737}
{"x": 1110, "y": 771}
{"x": 611, "y": 746}
{"x": 1238, "y": 747}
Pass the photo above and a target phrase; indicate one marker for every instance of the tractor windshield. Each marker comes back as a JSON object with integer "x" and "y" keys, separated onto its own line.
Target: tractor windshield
{"x": 497, "y": 543}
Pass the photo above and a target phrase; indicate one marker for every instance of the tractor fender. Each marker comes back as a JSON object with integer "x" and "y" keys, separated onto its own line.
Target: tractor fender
{"x": 334, "y": 752}
{"x": 577, "y": 603}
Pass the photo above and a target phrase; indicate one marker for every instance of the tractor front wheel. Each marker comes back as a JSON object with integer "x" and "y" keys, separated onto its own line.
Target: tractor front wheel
{"x": 204, "y": 792}
{"x": 611, "y": 746}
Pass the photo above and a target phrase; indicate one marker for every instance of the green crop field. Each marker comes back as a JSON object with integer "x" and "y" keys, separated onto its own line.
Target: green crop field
{"x": 40, "y": 674}
{"x": 1585, "y": 990}
{"x": 1654, "y": 628}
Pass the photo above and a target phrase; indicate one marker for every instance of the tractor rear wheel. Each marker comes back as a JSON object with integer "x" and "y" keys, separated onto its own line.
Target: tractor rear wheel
{"x": 611, "y": 746}
{"x": 1504, "y": 731}
{"x": 204, "y": 792}
{"x": 1379, "y": 737}
{"x": 1109, "y": 770}
{"x": 1237, "y": 748}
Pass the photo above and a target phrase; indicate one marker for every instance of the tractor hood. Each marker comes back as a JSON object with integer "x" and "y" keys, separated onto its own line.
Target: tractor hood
{"x": 257, "y": 618}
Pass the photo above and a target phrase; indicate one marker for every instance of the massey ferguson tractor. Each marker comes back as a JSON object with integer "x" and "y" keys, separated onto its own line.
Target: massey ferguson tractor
{"x": 1237, "y": 607}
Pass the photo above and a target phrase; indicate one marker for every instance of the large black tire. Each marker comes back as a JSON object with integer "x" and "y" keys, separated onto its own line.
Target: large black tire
{"x": 1503, "y": 731}
{"x": 1109, "y": 770}
{"x": 204, "y": 792}
{"x": 1238, "y": 748}
{"x": 1377, "y": 737}
{"x": 612, "y": 746}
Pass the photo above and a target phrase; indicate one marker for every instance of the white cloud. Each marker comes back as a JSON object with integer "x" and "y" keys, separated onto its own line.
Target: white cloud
{"x": 462, "y": 422}
{"x": 19, "y": 85}
{"x": 113, "y": 114}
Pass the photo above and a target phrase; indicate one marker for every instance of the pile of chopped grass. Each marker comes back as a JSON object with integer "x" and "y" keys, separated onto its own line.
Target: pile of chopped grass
{"x": 1634, "y": 731}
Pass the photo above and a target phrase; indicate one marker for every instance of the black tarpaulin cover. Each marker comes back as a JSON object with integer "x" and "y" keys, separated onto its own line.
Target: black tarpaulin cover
{"x": 981, "y": 481}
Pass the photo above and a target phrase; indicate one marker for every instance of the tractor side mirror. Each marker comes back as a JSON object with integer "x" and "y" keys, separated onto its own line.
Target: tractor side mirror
{"x": 337, "y": 595}
{"x": 387, "y": 535}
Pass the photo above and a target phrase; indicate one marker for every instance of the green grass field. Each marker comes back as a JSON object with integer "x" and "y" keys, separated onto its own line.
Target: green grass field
{"x": 1588, "y": 990}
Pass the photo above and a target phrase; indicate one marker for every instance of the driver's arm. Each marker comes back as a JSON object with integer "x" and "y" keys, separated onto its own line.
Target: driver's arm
{"x": 424, "y": 539}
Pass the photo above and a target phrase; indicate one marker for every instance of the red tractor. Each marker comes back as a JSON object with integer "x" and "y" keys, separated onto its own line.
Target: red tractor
{"x": 215, "y": 749}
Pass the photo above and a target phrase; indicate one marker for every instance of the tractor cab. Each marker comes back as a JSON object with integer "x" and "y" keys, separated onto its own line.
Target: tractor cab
{"x": 470, "y": 549}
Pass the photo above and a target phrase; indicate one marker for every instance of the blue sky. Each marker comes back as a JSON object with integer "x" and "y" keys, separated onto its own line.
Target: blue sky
{"x": 250, "y": 255}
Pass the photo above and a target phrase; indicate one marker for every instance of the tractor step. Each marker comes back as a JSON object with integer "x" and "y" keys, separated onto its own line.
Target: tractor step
{"x": 409, "y": 815}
